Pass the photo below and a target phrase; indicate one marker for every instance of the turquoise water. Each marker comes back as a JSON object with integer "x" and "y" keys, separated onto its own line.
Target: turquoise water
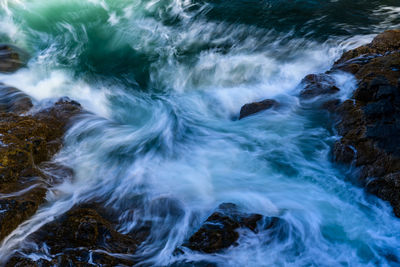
{"x": 164, "y": 81}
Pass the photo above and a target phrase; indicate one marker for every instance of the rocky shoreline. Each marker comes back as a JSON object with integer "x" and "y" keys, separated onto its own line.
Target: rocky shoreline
{"x": 368, "y": 124}
{"x": 28, "y": 141}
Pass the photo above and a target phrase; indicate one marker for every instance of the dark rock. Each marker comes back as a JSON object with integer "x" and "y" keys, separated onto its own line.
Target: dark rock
{"x": 387, "y": 188}
{"x": 370, "y": 122}
{"x": 331, "y": 105}
{"x": 13, "y": 100}
{"x": 27, "y": 142}
{"x": 219, "y": 230}
{"x": 387, "y": 41}
{"x": 344, "y": 153}
{"x": 11, "y": 58}
{"x": 17, "y": 261}
{"x": 318, "y": 85}
{"x": 255, "y": 107}
{"x": 194, "y": 264}
{"x": 84, "y": 227}
{"x": 80, "y": 235}
{"x": 16, "y": 209}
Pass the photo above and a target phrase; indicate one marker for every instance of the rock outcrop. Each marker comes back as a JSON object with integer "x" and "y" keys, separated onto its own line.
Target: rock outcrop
{"x": 369, "y": 122}
{"x": 219, "y": 231}
{"x": 26, "y": 144}
{"x": 28, "y": 140}
{"x": 81, "y": 237}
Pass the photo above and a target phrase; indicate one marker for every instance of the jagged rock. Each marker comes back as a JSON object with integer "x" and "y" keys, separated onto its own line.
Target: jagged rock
{"x": 26, "y": 142}
{"x": 80, "y": 235}
{"x": 11, "y": 58}
{"x": 369, "y": 123}
{"x": 255, "y": 107}
{"x": 317, "y": 85}
{"x": 219, "y": 230}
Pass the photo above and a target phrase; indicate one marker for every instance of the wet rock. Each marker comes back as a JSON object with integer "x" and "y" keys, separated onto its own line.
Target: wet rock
{"x": 17, "y": 261}
{"x": 219, "y": 230}
{"x": 194, "y": 264}
{"x": 385, "y": 42}
{"x": 331, "y": 105}
{"x": 79, "y": 258}
{"x": 13, "y": 100}
{"x": 317, "y": 85}
{"x": 80, "y": 236}
{"x": 255, "y": 107}
{"x": 11, "y": 58}
{"x": 84, "y": 227}
{"x": 16, "y": 209}
{"x": 387, "y": 188}
{"x": 369, "y": 123}
{"x": 26, "y": 143}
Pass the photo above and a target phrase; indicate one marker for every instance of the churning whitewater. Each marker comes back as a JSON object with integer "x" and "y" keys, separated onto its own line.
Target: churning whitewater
{"x": 163, "y": 83}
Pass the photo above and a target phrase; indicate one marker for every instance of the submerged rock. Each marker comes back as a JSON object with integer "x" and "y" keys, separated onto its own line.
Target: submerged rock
{"x": 11, "y": 58}
{"x": 255, "y": 107}
{"x": 369, "y": 123}
{"x": 26, "y": 143}
{"x": 219, "y": 230}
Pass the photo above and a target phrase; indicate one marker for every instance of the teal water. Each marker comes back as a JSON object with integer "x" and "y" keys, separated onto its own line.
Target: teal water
{"x": 164, "y": 81}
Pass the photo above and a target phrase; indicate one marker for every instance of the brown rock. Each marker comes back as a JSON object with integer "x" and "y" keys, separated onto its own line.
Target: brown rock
{"x": 11, "y": 58}
{"x": 219, "y": 230}
{"x": 318, "y": 85}
{"x": 26, "y": 142}
{"x": 370, "y": 122}
{"x": 255, "y": 107}
{"x": 387, "y": 41}
{"x": 13, "y": 100}
{"x": 80, "y": 235}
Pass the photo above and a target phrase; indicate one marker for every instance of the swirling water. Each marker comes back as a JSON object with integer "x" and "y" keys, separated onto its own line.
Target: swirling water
{"x": 164, "y": 81}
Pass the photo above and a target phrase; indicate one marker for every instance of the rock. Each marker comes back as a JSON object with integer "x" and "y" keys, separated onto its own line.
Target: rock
{"x": 331, "y": 105}
{"x": 219, "y": 230}
{"x": 26, "y": 143}
{"x": 79, "y": 258}
{"x": 13, "y": 100}
{"x": 369, "y": 123}
{"x": 317, "y": 85}
{"x": 385, "y": 42}
{"x": 387, "y": 188}
{"x": 17, "y": 261}
{"x": 255, "y": 107}
{"x": 80, "y": 236}
{"x": 16, "y": 209}
{"x": 11, "y": 58}
{"x": 193, "y": 264}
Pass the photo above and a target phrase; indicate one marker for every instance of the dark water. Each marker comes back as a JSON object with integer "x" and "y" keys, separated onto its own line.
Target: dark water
{"x": 165, "y": 80}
